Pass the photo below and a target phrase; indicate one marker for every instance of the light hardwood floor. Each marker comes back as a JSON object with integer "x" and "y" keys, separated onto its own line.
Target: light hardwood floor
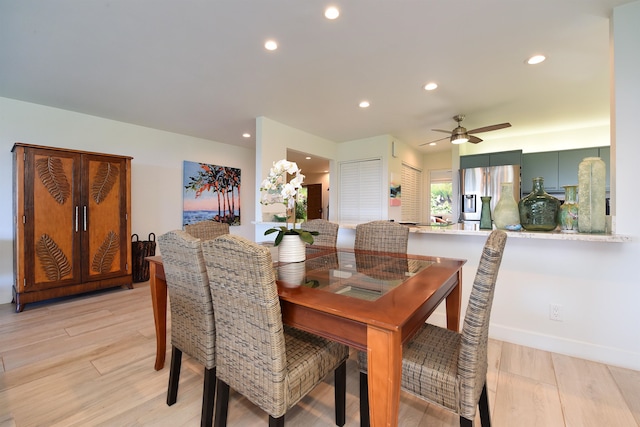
{"x": 88, "y": 361}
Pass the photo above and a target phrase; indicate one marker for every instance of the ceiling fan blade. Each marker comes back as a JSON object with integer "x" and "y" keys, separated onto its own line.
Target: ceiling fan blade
{"x": 425, "y": 143}
{"x": 474, "y": 139}
{"x": 441, "y": 130}
{"x": 489, "y": 128}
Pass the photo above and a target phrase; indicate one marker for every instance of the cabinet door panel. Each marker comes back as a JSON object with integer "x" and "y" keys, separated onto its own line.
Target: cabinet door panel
{"x": 52, "y": 250}
{"x": 540, "y": 164}
{"x": 104, "y": 217}
{"x": 569, "y": 160}
{"x": 605, "y": 154}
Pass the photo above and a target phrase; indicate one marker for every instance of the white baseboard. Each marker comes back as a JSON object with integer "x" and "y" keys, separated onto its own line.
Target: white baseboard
{"x": 581, "y": 349}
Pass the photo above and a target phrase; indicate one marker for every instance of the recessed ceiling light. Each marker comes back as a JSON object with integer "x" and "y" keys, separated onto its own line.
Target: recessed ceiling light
{"x": 430, "y": 86}
{"x": 270, "y": 45}
{"x": 536, "y": 59}
{"x": 308, "y": 158}
{"x": 364, "y": 104}
{"x": 246, "y": 135}
{"x": 433, "y": 144}
{"x": 331, "y": 12}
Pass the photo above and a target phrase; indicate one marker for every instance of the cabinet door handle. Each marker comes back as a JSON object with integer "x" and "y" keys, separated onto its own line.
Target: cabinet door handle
{"x": 76, "y": 219}
{"x": 85, "y": 218}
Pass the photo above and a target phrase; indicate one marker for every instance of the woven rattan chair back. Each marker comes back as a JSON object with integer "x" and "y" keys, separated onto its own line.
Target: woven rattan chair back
{"x": 327, "y": 232}
{"x": 383, "y": 236}
{"x": 192, "y": 321}
{"x": 273, "y": 366}
{"x": 251, "y": 345}
{"x": 472, "y": 358}
{"x": 207, "y": 230}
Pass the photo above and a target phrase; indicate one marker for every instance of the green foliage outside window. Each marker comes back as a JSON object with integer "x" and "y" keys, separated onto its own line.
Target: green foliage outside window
{"x": 441, "y": 194}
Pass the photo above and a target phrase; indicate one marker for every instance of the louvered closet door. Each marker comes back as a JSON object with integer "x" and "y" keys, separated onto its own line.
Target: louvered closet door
{"x": 52, "y": 241}
{"x": 104, "y": 231}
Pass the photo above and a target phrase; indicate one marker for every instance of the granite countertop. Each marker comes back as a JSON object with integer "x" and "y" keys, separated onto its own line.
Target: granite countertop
{"x": 462, "y": 229}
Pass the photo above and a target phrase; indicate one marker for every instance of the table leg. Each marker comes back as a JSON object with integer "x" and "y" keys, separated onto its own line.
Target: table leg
{"x": 158, "y": 289}
{"x": 454, "y": 302}
{"x": 385, "y": 371}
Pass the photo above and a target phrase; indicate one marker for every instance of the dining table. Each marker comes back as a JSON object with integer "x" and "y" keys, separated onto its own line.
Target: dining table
{"x": 371, "y": 301}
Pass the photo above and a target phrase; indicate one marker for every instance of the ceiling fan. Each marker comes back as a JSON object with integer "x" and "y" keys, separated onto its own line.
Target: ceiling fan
{"x": 460, "y": 135}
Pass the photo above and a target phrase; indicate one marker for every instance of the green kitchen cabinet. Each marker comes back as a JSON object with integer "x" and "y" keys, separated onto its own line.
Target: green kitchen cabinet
{"x": 605, "y": 154}
{"x": 513, "y": 157}
{"x": 568, "y": 162}
{"x": 543, "y": 164}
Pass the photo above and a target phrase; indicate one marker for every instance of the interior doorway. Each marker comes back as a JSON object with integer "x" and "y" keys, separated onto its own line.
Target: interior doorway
{"x": 314, "y": 201}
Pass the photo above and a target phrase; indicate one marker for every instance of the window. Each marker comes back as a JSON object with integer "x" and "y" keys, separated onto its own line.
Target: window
{"x": 441, "y": 193}
{"x": 411, "y": 193}
{"x": 360, "y": 191}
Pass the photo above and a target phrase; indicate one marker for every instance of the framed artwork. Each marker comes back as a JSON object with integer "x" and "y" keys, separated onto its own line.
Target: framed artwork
{"x": 395, "y": 193}
{"x": 210, "y": 192}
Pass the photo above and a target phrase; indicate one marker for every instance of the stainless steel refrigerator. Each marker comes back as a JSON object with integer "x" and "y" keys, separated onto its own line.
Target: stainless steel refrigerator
{"x": 485, "y": 181}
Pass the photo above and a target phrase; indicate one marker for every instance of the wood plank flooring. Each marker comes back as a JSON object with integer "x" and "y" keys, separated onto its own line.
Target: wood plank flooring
{"x": 88, "y": 361}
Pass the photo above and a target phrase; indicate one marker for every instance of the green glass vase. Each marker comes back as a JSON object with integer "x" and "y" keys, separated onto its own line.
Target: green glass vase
{"x": 506, "y": 215}
{"x": 539, "y": 210}
{"x": 485, "y": 213}
{"x": 568, "y": 212}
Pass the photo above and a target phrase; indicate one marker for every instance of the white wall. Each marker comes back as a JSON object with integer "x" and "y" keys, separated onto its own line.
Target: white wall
{"x": 272, "y": 141}
{"x": 156, "y": 167}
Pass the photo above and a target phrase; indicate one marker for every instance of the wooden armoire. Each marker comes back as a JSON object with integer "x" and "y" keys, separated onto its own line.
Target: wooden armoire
{"x": 72, "y": 222}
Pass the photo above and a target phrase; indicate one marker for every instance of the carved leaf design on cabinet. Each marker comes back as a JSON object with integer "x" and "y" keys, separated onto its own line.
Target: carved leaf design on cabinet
{"x": 103, "y": 182}
{"x": 103, "y": 259}
{"x": 53, "y": 260}
{"x": 52, "y": 175}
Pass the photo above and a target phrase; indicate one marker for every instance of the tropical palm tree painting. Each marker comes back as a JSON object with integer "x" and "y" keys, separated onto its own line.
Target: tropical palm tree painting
{"x": 211, "y": 192}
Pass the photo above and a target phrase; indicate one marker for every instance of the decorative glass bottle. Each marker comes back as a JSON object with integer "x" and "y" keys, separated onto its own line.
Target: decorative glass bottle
{"x": 591, "y": 188}
{"x": 568, "y": 212}
{"x": 506, "y": 215}
{"x": 485, "y": 213}
{"x": 538, "y": 211}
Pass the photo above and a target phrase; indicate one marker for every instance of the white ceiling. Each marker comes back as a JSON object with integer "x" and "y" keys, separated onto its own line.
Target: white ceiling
{"x": 199, "y": 67}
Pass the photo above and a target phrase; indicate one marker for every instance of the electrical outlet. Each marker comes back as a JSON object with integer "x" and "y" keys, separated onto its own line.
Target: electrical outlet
{"x": 555, "y": 312}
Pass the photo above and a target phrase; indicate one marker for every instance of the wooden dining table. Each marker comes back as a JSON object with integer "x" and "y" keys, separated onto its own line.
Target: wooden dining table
{"x": 371, "y": 301}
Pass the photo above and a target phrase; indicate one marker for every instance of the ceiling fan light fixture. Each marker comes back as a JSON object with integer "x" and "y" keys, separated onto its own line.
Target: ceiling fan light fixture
{"x": 459, "y": 139}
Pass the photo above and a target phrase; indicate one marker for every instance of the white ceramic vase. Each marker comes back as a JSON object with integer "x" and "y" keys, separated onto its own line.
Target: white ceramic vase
{"x": 291, "y": 249}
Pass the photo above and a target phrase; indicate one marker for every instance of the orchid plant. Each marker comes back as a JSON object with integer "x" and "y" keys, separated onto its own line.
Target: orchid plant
{"x": 276, "y": 189}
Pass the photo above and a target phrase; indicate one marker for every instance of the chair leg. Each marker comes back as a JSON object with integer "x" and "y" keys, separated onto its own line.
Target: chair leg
{"x": 174, "y": 375}
{"x": 208, "y": 397}
{"x": 340, "y": 384}
{"x": 483, "y": 403}
{"x": 276, "y": 422}
{"x": 485, "y": 416}
{"x": 222, "y": 404}
{"x": 364, "y": 400}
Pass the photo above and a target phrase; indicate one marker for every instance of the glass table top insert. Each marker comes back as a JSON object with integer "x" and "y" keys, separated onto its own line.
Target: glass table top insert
{"x": 358, "y": 275}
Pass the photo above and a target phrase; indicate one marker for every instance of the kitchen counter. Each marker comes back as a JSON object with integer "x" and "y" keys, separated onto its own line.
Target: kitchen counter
{"x": 462, "y": 229}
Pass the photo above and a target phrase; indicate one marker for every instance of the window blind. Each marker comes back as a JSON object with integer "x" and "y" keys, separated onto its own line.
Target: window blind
{"x": 411, "y": 190}
{"x": 360, "y": 191}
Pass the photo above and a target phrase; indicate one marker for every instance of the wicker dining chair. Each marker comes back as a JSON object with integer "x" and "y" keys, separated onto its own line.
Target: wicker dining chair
{"x": 445, "y": 367}
{"x": 207, "y": 230}
{"x": 272, "y": 365}
{"x": 327, "y": 232}
{"x": 192, "y": 321}
{"x": 383, "y": 236}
